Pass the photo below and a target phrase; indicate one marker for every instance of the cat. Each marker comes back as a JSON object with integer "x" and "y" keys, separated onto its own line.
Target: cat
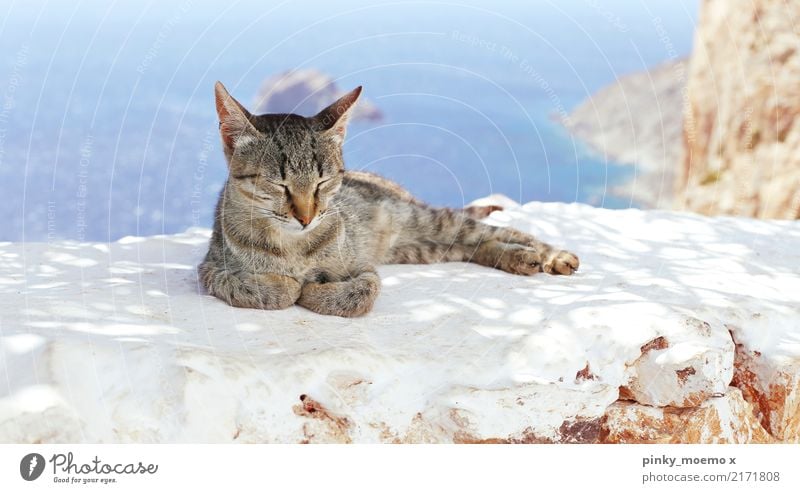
{"x": 292, "y": 226}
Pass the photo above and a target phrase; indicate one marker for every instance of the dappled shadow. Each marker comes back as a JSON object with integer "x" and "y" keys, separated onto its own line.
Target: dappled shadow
{"x": 132, "y": 313}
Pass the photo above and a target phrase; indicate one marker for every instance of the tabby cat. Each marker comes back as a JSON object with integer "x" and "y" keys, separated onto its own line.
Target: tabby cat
{"x": 292, "y": 226}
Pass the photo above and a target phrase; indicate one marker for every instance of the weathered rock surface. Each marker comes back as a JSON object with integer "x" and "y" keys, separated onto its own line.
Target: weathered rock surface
{"x": 724, "y": 419}
{"x": 116, "y": 343}
{"x": 306, "y": 92}
{"x": 741, "y": 130}
{"x": 638, "y": 120}
{"x": 769, "y": 377}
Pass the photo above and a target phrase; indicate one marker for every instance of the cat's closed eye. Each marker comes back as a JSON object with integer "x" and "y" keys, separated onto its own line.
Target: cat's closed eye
{"x": 325, "y": 184}
{"x": 277, "y": 185}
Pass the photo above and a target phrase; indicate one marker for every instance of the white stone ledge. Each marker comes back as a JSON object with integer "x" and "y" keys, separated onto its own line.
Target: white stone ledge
{"x": 114, "y": 343}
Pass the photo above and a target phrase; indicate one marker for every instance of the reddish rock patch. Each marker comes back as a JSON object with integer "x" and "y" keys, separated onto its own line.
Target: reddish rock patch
{"x": 654, "y": 345}
{"x": 581, "y": 431}
{"x": 585, "y": 374}
{"x": 328, "y": 426}
{"x": 683, "y": 375}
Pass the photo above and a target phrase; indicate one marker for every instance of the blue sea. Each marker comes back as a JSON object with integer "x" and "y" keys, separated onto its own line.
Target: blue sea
{"x": 108, "y": 128}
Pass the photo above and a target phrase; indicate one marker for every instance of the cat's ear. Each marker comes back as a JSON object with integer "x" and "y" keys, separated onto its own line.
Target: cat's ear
{"x": 234, "y": 120}
{"x": 333, "y": 119}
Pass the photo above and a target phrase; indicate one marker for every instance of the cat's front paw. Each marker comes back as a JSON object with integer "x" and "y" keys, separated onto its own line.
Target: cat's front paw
{"x": 561, "y": 262}
{"x": 264, "y": 291}
{"x": 351, "y": 298}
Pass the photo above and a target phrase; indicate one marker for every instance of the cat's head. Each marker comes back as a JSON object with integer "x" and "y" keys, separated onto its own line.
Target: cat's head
{"x": 287, "y": 167}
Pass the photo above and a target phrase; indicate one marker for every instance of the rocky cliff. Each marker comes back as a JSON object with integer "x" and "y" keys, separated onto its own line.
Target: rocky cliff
{"x": 677, "y": 328}
{"x": 637, "y": 121}
{"x": 719, "y": 137}
{"x": 741, "y": 129}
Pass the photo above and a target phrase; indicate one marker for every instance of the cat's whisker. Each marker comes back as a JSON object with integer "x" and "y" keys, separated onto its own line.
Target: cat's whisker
{"x": 245, "y": 221}
{"x": 330, "y": 212}
{"x": 267, "y": 213}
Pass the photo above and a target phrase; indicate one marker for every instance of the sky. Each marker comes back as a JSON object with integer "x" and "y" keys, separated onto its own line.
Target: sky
{"x": 107, "y": 126}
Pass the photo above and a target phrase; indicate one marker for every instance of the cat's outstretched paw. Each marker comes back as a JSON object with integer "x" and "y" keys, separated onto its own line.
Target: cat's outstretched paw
{"x": 561, "y": 262}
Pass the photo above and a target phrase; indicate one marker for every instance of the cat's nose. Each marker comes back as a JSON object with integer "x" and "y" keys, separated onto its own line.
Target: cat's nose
{"x": 304, "y": 220}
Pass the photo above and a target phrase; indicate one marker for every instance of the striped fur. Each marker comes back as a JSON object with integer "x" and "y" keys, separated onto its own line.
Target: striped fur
{"x": 293, "y": 227}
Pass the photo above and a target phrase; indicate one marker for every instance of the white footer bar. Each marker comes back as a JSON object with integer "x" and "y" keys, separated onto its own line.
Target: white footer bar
{"x": 353, "y": 468}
